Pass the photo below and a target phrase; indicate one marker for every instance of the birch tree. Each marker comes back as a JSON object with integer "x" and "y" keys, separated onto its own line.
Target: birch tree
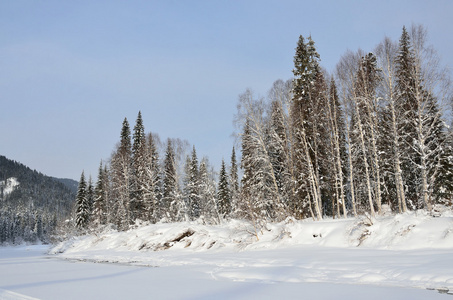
{"x": 338, "y": 146}
{"x": 387, "y": 53}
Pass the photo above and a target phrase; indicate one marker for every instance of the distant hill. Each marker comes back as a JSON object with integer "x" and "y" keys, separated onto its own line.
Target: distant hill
{"x": 69, "y": 183}
{"x": 31, "y": 202}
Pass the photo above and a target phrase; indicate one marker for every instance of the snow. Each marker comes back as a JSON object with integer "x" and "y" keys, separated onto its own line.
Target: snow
{"x": 8, "y": 295}
{"x": 8, "y": 185}
{"x": 405, "y": 256}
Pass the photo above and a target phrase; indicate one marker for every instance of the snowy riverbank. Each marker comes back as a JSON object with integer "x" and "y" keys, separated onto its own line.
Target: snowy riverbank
{"x": 411, "y": 250}
{"x": 414, "y": 230}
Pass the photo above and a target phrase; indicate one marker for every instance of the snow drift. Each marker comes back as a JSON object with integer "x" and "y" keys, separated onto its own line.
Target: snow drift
{"x": 407, "y": 250}
{"x": 413, "y": 230}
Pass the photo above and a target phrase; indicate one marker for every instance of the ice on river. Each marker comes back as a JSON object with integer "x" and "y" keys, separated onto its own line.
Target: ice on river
{"x": 28, "y": 273}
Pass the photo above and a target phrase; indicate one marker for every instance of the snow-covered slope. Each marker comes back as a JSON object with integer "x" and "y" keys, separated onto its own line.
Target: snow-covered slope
{"x": 407, "y": 250}
{"x": 8, "y": 185}
{"x": 414, "y": 230}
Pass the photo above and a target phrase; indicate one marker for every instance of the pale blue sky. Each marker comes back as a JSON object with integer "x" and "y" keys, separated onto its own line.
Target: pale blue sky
{"x": 70, "y": 71}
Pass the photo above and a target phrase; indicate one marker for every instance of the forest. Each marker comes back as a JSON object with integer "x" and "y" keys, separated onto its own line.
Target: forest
{"x": 370, "y": 138}
{"x": 33, "y": 207}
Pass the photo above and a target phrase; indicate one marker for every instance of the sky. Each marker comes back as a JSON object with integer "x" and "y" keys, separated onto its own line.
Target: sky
{"x": 71, "y": 71}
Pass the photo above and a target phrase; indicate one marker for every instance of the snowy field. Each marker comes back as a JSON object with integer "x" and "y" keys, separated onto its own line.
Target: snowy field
{"x": 397, "y": 257}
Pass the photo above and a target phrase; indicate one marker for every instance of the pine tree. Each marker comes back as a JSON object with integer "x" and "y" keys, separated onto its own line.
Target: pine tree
{"x": 223, "y": 193}
{"x": 82, "y": 205}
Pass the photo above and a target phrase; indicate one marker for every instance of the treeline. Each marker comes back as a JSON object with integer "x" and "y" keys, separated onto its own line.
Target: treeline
{"x": 31, "y": 211}
{"x": 137, "y": 185}
{"x": 26, "y": 224}
{"x": 369, "y": 138}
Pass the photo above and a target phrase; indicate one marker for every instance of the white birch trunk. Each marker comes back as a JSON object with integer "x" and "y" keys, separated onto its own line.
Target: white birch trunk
{"x": 365, "y": 161}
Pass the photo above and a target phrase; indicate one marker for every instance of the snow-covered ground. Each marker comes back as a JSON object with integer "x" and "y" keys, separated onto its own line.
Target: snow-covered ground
{"x": 9, "y": 185}
{"x": 397, "y": 257}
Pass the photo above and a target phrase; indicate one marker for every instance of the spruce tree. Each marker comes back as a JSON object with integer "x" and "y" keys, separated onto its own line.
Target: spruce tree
{"x": 82, "y": 205}
{"x": 90, "y": 197}
{"x": 223, "y": 193}
{"x": 170, "y": 184}
{"x": 207, "y": 193}
{"x": 194, "y": 186}
{"x": 138, "y": 176}
{"x": 389, "y": 143}
{"x": 420, "y": 85}
{"x": 245, "y": 206}
{"x": 152, "y": 180}
{"x": 99, "y": 207}
{"x": 186, "y": 188}
{"x": 121, "y": 179}
{"x": 277, "y": 146}
{"x": 444, "y": 182}
{"x": 234, "y": 182}
{"x": 304, "y": 116}
{"x": 406, "y": 107}
{"x": 439, "y": 153}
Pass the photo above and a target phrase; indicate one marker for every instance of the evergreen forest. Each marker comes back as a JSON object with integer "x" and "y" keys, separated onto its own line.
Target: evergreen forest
{"x": 372, "y": 137}
{"x": 32, "y": 208}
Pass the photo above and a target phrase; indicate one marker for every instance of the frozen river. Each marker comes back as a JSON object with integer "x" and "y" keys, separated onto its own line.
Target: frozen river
{"x": 28, "y": 273}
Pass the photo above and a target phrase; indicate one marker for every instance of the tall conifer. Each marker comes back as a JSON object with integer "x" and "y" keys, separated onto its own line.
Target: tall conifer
{"x": 223, "y": 193}
{"x": 138, "y": 176}
{"x": 121, "y": 178}
{"x": 82, "y": 205}
{"x": 170, "y": 184}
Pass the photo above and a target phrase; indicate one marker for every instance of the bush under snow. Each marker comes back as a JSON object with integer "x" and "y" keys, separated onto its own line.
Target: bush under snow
{"x": 414, "y": 230}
